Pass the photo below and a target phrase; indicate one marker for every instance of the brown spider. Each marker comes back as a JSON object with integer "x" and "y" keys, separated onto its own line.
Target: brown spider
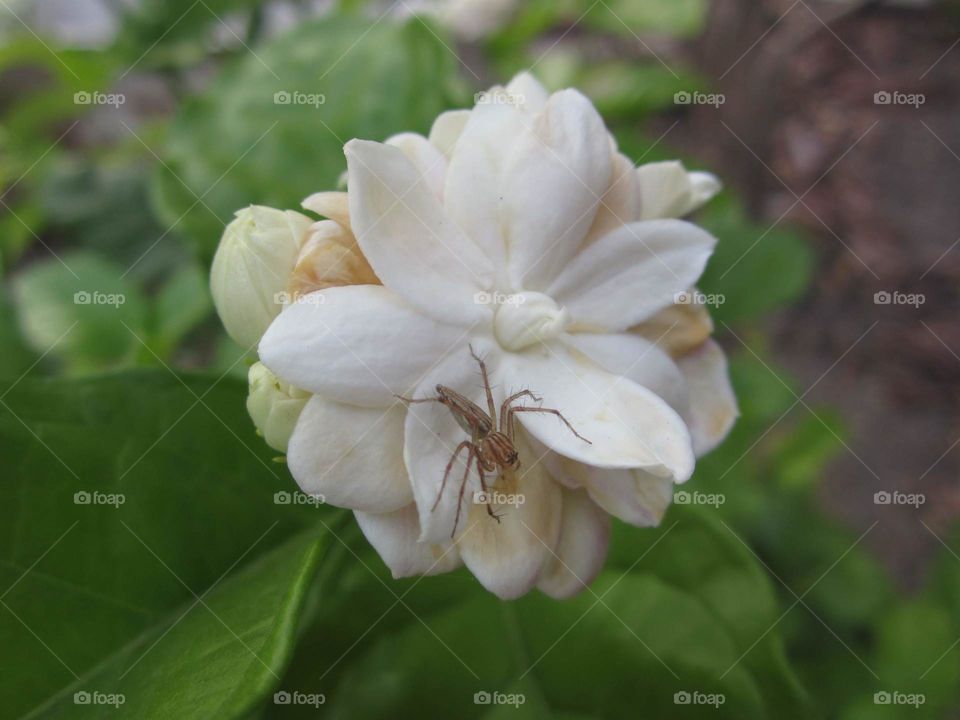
{"x": 492, "y": 447}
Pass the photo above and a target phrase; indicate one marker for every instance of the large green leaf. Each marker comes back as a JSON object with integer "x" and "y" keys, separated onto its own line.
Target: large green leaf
{"x": 680, "y": 609}
{"x": 239, "y": 143}
{"x": 123, "y": 498}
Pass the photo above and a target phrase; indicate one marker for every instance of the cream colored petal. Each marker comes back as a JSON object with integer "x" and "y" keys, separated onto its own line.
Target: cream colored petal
{"x": 508, "y": 557}
{"x": 331, "y": 257}
{"x": 446, "y": 130}
{"x": 333, "y": 205}
{"x": 677, "y": 328}
{"x": 581, "y": 549}
{"x": 425, "y": 157}
{"x": 634, "y": 496}
{"x": 620, "y": 204}
{"x": 394, "y": 536}
{"x": 352, "y": 456}
{"x": 713, "y": 406}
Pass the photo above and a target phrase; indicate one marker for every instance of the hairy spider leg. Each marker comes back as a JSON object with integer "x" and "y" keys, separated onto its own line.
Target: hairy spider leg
{"x": 486, "y": 386}
{"x": 471, "y": 448}
{"x": 505, "y": 427}
{"x": 512, "y": 411}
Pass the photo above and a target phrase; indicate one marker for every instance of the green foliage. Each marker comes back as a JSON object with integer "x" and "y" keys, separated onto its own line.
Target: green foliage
{"x": 756, "y": 268}
{"x": 100, "y": 598}
{"x": 111, "y": 591}
{"x": 677, "y": 18}
{"x": 234, "y": 145}
{"x": 80, "y": 308}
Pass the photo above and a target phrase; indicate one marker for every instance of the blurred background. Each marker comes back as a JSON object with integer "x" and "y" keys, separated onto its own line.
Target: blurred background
{"x": 130, "y": 131}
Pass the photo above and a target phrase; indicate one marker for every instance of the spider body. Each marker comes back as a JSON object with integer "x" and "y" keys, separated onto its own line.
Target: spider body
{"x": 492, "y": 444}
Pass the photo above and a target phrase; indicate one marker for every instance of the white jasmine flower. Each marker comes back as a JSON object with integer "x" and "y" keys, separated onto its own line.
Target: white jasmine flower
{"x": 518, "y": 228}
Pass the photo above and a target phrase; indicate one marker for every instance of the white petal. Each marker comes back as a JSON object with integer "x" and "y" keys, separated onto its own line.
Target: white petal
{"x": 414, "y": 249}
{"x": 430, "y": 163}
{"x": 637, "y": 359}
{"x": 526, "y": 86}
{"x": 357, "y": 344}
{"x": 678, "y": 328}
{"x": 628, "y": 275}
{"x": 667, "y": 190}
{"x": 394, "y": 537}
{"x": 634, "y": 496}
{"x": 432, "y": 434}
{"x": 703, "y": 186}
{"x": 352, "y": 456}
{"x": 713, "y": 406}
{"x": 446, "y": 130}
{"x": 553, "y": 179}
{"x": 473, "y": 196}
{"x": 621, "y": 201}
{"x": 333, "y": 205}
{"x": 508, "y": 557}
{"x": 628, "y": 426}
{"x": 581, "y": 550}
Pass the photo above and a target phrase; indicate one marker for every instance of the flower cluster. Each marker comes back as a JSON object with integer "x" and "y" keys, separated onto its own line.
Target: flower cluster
{"x": 523, "y": 197}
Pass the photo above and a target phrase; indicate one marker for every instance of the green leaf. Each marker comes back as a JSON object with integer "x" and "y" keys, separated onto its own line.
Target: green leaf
{"x": 214, "y": 658}
{"x": 678, "y": 608}
{"x": 124, "y": 497}
{"x": 235, "y": 145}
{"x": 757, "y": 268}
{"x": 183, "y": 302}
{"x": 679, "y": 18}
{"x": 80, "y": 308}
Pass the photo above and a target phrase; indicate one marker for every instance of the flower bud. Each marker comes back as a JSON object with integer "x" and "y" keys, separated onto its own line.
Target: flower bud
{"x": 274, "y": 406}
{"x": 257, "y": 253}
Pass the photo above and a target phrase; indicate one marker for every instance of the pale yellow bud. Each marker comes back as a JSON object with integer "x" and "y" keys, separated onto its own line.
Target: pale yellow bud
{"x": 252, "y": 267}
{"x": 274, "y": 406}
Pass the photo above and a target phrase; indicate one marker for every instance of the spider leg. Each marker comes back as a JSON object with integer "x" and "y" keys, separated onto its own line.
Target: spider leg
{"x": 486, "y": 386}
{"x": 505, "y": 406}
{"x": 416, "y": 400}
{"x": 472, "y": 455}
{"x": 551, "y": 411}
{"x": 486, "y": 491}
{"x": 446, "y": 473}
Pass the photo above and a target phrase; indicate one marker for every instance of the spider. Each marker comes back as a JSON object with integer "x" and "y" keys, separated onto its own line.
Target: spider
{"x": 492, "y": 447}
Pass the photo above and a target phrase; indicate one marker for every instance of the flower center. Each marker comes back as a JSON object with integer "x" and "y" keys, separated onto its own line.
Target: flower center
{"x": 525, "y": 318}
